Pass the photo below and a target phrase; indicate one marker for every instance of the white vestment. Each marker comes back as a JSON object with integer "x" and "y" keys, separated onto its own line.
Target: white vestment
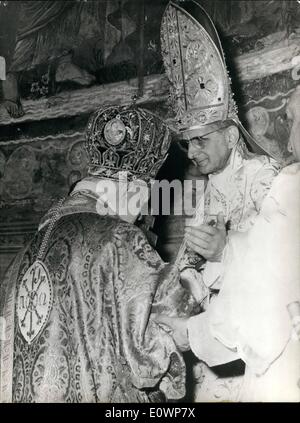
{"x": 249, "y": 319}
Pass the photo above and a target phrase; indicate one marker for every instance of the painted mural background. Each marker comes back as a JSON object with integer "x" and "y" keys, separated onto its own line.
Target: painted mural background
{"x": 64, "y": 59}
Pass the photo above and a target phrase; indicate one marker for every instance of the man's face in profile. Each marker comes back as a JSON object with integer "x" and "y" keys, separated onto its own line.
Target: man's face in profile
{"x": 210, "y": 152}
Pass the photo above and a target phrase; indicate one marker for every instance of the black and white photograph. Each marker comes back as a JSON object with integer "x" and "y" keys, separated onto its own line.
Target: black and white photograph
{"x": 150, "y": 204}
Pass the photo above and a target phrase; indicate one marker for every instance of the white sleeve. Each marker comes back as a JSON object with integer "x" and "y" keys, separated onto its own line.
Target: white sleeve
{"x": 204, "y": 345}
{"x": 212, "y": 274}
{"x": 214, "y": 271}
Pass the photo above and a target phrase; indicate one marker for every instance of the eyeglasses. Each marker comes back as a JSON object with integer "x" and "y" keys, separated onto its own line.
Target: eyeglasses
{"x": 197, "y": 142}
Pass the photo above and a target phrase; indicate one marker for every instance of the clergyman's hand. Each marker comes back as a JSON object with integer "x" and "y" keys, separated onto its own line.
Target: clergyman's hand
{"x": 177, "y": 327}
{"x": 206, "y": 240}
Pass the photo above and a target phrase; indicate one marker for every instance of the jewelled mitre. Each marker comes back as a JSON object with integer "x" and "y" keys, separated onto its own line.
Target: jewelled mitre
{"x": 127, "y": 139}
{"x": 200, "y": 90}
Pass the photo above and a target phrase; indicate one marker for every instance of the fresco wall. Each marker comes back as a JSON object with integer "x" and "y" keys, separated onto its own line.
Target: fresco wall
{"x": 65, "y": 59}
